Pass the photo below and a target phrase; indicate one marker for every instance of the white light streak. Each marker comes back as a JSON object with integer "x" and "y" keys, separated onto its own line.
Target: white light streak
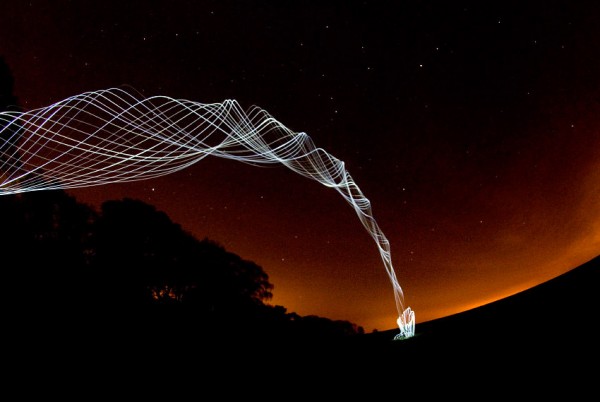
{"x": 112, "y": 136}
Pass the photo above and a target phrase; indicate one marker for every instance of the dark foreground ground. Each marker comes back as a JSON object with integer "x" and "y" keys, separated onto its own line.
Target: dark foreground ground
{"x": 541, "y": 342}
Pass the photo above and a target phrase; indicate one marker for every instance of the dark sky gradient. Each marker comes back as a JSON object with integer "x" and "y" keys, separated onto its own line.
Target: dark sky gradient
{"x": 472, "y": 127}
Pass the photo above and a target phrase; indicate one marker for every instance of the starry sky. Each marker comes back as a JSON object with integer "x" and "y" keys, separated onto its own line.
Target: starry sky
{"x": 471, "y": 127}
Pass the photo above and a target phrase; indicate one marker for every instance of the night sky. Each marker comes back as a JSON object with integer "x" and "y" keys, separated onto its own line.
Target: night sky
{"x": 472, "y": 127}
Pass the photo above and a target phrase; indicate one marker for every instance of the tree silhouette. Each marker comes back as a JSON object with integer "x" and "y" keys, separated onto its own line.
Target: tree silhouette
{"x": 44, "y": 236}
{"x": 144, "y": 262}
{"x": 148, "y": 267}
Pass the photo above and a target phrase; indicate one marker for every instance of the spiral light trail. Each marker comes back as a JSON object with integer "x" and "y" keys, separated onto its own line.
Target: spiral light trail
{"x": 112, "y": 136}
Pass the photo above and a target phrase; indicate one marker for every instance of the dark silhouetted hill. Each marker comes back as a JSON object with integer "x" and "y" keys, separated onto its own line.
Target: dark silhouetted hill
{"x": 544, "y": 339}
{"x": 563, "y": 309}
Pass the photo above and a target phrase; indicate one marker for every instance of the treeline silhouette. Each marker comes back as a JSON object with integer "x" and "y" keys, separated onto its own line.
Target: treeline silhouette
{"x": 128, "y": 270}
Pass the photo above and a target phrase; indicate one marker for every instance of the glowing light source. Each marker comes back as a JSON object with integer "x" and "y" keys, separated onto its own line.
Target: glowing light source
{"x": 406, "y": 323}
{"x": 112, "y": 136}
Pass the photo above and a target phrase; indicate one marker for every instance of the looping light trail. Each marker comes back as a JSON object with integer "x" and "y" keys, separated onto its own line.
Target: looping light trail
{"x": 111, "y": 136}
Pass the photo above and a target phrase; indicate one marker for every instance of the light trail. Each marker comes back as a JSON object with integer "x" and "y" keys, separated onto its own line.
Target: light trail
{"x": 112, "y": 136}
